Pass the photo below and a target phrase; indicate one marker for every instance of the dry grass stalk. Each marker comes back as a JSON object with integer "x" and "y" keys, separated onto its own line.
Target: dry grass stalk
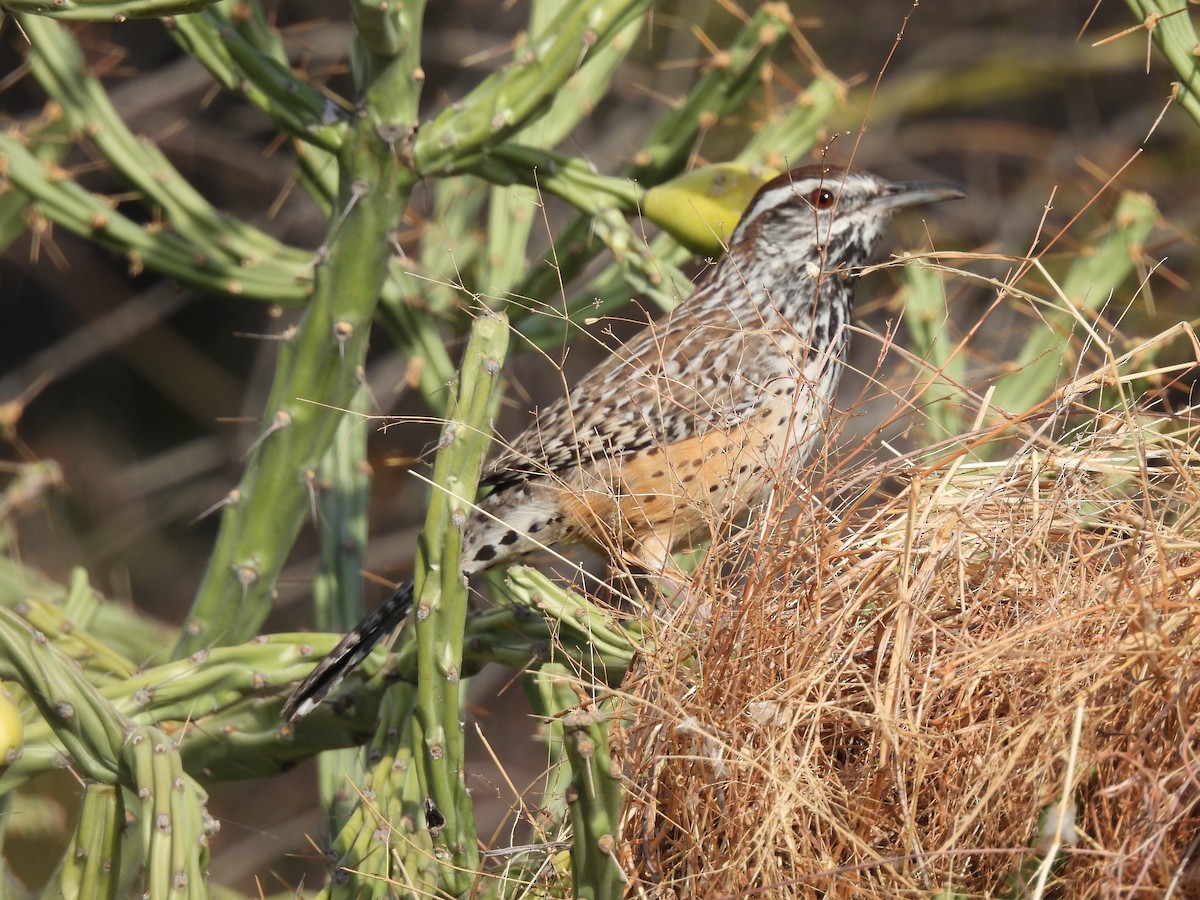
{"x": 894, "y": 695}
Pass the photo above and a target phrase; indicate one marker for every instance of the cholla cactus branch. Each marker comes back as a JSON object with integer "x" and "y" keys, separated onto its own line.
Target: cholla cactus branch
{"x": 509, "y": 100}
{"x": 337, "y": 590}
{"x": 46, "y": 140}
{"x": 1087, "y": 286}
{"x": 229, "y": 696}
{"x": 1170, "y": 25}
{"x": 440, "y": 597}
{"x": 105, "y": 746}
{"x": 91, "y": 866}
{"x": 107, "y": 10}
{"x": 58, "y": 64}
{"x": 262, "y": 78}
{"x": 927, "y": 319}
{"x": 89, "y": 729}
{"x": 324, "y": 359}
{"x": 125, "y": 634}
{"x": 383, "y": 840}
{"x": 594, "y": 801}
{"x": 721, "y": 91}
{"x": 417, "y": 336}
{"x": 170, "y": 811}
{"x": 511, "y": 214}
{"x": 574, "y": 180}
{"x": 575, "y": 620}
{"x": 94, "y": 217}
{"x": 730, "y": 78}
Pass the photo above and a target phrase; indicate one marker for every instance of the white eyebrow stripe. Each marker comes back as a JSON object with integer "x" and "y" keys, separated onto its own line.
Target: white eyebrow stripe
{"x": 772, "y": 198}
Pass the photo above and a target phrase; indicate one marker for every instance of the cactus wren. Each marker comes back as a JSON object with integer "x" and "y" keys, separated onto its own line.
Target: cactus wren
{"x": 694, "y": 418}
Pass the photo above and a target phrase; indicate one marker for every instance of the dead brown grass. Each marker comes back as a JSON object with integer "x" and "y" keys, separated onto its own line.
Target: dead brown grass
{"x": 896, "y": 696}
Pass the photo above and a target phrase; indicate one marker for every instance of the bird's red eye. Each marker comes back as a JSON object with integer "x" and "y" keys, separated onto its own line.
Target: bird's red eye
{"x": 821, "y": 198}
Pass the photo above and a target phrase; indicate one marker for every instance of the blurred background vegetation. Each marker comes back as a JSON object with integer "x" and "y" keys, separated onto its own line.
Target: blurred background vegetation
{"x": 148, "y": 396}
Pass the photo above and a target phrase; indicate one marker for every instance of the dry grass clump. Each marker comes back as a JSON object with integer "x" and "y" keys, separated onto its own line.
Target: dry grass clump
{"x": 937, "y": 690}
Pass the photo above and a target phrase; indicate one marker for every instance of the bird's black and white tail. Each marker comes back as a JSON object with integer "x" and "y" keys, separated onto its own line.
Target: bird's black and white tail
{"x": 350, "y": 651}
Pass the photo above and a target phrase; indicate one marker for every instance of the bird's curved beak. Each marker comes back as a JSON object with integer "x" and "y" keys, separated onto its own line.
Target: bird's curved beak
{"x": 913, "y": 193}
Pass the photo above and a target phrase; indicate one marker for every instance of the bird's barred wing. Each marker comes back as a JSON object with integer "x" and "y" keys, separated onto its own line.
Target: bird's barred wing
{"x": 672, "y": 382}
